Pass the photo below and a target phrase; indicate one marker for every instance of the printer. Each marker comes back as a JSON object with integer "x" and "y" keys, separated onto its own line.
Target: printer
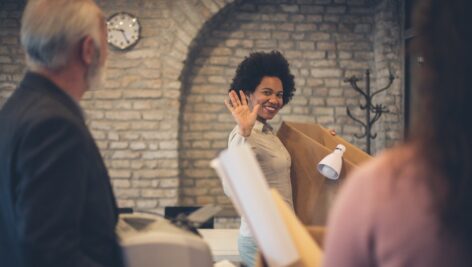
{"x": 148, "y": 240}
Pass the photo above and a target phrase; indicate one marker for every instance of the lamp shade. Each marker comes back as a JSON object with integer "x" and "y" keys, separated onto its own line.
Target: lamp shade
{"x": 330, "y": 166}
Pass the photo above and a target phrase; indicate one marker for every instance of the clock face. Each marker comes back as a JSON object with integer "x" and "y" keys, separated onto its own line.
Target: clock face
{"x": 124, "y": 30}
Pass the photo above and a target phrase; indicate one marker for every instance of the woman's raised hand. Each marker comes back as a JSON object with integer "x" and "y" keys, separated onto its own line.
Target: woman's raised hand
{"x": 244, "y": 117}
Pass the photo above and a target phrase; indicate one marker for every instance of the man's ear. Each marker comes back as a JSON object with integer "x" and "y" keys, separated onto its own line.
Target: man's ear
{"x": 87, "y": 50}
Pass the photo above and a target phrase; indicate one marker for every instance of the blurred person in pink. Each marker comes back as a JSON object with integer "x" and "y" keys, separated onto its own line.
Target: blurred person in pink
{"x": 412, "y": 206}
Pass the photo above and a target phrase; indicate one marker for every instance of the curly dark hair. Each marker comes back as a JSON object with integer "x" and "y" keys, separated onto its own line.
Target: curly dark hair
{"x": 259, "y": 65}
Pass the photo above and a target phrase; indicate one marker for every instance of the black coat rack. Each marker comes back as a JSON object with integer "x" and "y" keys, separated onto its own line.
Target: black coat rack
{"x": 372, "y": 112}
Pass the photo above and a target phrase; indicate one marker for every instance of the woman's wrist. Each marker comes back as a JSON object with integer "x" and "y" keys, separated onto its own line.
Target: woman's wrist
{"x": 244, "y": 132}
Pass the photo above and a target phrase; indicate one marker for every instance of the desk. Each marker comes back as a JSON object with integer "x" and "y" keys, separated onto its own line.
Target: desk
{"x": 223, "y": 243}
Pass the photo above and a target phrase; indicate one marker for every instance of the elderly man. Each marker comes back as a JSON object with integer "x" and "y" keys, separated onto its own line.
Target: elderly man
{"x": 56, "y": 203}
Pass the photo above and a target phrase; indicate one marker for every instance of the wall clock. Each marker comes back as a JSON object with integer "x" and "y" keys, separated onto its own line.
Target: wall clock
{"x": 124, "y": 30}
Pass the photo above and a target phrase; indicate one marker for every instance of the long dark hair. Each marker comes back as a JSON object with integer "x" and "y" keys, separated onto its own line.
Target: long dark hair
{"x": 443, "y": 129}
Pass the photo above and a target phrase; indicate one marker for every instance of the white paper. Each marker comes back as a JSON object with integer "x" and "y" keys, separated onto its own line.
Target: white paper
{"x": 251, "y": 195}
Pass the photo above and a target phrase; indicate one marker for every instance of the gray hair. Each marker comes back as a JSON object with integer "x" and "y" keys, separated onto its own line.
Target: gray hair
{"x": 51, "y": 28}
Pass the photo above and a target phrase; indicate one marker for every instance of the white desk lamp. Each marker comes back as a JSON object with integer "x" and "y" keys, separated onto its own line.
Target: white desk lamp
{"x": 330, "y": 166}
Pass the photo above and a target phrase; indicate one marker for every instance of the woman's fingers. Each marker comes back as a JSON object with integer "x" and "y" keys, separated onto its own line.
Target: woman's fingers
{"x": 242, "y": 96}
{"x": 256, "y": 109}
{"x": 238, "y": 106}
{"x": 228, "y": 105}
{"x": 234, "y": 99}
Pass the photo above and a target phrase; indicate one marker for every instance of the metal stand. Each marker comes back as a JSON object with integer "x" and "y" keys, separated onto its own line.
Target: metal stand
{"x": 369, "y": 108}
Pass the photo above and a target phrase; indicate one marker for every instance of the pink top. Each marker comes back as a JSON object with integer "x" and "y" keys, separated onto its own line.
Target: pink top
{"x": 384, "y": 217}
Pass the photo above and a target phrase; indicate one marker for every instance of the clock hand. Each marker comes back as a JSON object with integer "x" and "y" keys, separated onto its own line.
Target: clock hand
{"x": 122, "y": 32}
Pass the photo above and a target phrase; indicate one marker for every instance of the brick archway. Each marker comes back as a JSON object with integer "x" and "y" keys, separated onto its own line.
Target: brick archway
{"x": 323, "y": 42}
{"x": 188, "y": 52}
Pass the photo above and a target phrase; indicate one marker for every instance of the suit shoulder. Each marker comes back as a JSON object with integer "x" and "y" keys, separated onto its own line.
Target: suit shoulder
{"x": 31, "y": 105}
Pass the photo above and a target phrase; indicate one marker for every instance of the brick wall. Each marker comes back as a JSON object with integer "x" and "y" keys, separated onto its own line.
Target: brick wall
{"x": 324, "y": 42}
{"x": 12, "y": 63}
{"x": 388, "y": 44}
{"x": 161, "y": 116}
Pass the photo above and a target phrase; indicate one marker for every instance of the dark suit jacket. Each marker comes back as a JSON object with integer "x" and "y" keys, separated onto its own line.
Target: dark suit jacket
{"x": 56, "y": 203}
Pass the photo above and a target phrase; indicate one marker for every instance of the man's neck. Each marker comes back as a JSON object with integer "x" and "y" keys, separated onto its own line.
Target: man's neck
{"x": 69, "y": 79}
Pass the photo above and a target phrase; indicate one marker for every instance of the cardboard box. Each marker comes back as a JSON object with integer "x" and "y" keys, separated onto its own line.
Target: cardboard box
{"x": 280, "y": 233}
{"x": 313, "y": 194}
{"x": 308, "y": 144}
{"x": 307, "y": 240}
